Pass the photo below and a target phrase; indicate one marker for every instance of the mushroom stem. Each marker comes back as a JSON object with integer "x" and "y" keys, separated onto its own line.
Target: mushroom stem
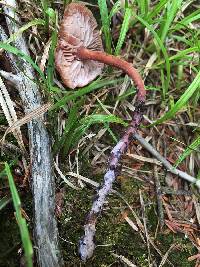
{"x": 78, "y": 66}
{"x": 84, "y": 53}
{"x": 87, "y": 244}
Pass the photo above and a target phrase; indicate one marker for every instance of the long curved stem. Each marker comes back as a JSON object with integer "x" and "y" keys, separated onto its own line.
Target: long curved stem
{"x": 84, "y": 53}
{"x": 86, "y": 244}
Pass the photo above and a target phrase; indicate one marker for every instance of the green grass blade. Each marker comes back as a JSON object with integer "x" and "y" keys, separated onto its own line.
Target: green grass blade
{"x": 156, "y": 9}
{"x": 17, "y": 52}
{"x": 105, "y": 23}
{"x": 181, "y": 39}
{"x": 85, "y": 123}
{"x": 116, "y": 7}
{"x": 71, "y": 124}
{"x": 4, "y": 201}
{"x": 52, "y": 15}
{"x": 163, "y": 49}
{"x": 187, "y": 20}
{"x": 66, "y": 2}
{"x": 129, "y": 92}
{"x": 106, "y": 125}
{"x": 28, "y": 249}
{"x": 124, "y": 29}
{"x": 99, "y": 118}
{"x": 188, "y": 150}
{"x": 45, "y": 6}
{"x": 170, "y": 15}
{"x": 51, "y": 65}
{"x": 181, "y": 54}
{"x": 144, "y": 7}
{"x": 88, "y": 89}
{"x": 182, "y": 101}
{"x": 24, "y": 28}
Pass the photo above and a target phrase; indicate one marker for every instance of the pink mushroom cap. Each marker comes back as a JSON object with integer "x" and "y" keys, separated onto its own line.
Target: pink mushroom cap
{"x": 78, "y": 29}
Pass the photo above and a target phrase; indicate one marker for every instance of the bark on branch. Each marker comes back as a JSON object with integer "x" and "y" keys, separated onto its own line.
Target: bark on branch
{"x": 42, "y": 176}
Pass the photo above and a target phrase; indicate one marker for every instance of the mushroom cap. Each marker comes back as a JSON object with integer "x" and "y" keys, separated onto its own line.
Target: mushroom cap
{"x": 78, "y": 29}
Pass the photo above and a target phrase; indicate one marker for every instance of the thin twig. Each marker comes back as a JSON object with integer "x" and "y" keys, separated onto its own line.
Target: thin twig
{"x": 38, "y": 112}
{"x": 145, "y": 227}
{"x": 124, "y": 260}
{"x": 158, "y": 195}
{"x": 164, "y": 258}
{"x": 166, "y": 163}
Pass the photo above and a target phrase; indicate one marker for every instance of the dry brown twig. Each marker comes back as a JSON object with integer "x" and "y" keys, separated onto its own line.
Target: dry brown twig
{"x": 164, "y": 258}
{"x": 38, "y": 112}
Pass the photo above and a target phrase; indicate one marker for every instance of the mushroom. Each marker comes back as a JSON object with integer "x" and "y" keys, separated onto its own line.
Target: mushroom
{"x": 78, "y": 29}
{"x": 80, "y": 59}
{"x": 79, "y": 54}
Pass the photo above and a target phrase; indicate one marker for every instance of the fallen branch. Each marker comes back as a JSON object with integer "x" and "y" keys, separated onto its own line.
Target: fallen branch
{"x": 166, "y": 163}
{"x": 42, "y": 177}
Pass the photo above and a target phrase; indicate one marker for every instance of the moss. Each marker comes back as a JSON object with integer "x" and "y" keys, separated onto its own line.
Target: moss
{"x": 113, "y": 234}
{"x": 178, "y": 256}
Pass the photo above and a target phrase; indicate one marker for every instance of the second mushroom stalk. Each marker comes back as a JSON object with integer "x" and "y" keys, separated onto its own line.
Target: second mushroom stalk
{"x": 80, "y": 59}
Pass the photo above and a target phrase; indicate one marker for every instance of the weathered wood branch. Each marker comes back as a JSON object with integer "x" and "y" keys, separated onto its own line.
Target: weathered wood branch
{"x": 42, "y": 176}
